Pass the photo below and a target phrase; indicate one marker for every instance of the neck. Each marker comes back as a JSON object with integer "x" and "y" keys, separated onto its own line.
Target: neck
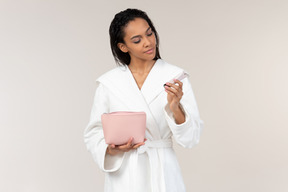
{"x": 141, "y": 66}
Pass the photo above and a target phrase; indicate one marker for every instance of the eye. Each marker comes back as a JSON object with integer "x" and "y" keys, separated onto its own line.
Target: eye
{"x": 136, "y": 42}
{"x": 149, "y": 34}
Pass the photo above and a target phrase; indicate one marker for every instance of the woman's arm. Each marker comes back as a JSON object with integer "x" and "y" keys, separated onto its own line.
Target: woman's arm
{"x": 186, "y": 132}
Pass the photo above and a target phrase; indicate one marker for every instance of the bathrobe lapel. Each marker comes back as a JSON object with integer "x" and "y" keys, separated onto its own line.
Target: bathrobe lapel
{"x": 160, "y": 73}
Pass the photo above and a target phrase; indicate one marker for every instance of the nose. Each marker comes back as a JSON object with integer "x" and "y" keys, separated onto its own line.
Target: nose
{"x": 147, "y": 42}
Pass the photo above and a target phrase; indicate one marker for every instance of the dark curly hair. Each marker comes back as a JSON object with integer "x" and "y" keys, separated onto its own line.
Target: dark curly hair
{"x": 116, "y": 31}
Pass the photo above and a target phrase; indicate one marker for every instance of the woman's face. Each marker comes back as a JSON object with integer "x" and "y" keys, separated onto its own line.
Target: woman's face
{"x": 139, "y": 40}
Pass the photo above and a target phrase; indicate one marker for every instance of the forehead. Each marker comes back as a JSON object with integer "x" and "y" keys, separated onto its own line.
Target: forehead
{"x": 137, "y": 26}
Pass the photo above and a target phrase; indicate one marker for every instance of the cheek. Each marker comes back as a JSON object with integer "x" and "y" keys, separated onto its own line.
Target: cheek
{"x": 133, "y": 48}
{"x": 137, "y": 49}
{"x": 153, "y": 38}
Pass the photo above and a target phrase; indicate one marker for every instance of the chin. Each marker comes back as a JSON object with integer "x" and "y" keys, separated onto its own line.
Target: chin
{"x": 151, "y": 57}
{"x": 147, "y": 57}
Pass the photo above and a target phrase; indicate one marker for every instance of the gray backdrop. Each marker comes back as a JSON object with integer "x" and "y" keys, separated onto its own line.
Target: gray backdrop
{"x": 52, "y": 51}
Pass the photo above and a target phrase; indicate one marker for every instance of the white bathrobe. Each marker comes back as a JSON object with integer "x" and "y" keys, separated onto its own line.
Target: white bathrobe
{"x": 152, "y": 167}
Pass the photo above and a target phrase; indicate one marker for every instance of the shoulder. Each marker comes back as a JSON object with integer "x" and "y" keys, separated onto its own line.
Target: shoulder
{"x": 168, "y": 67}
{"x": 111, "y": 74}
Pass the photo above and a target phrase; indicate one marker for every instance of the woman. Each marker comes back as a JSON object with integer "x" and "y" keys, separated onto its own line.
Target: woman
{"x": 137, "y": 85}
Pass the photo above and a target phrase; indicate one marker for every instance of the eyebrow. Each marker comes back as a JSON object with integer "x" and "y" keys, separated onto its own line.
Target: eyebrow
{"x": 140, "y": 35}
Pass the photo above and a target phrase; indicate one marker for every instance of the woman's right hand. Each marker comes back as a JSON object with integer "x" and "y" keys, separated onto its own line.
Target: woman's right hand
{"x": 116, "y": 149}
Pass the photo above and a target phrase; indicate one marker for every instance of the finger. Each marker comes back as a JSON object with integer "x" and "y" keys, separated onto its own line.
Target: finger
{"x": 170, "y": 93}
{"x": 173, "y": 91}
{"x": 176, "y": 86}
{"x": 128, "y": 145}
{"x": 179, "y": 82}
{"x": 177, "y": 89}
{"x": 176, "y": 96}
{"x": 121, "y": 147}
{"x": 124, "y": 148}
{"x": 138, "y": 145}
{"x": 173, "y": 87}
{"x": 111, "y": 146}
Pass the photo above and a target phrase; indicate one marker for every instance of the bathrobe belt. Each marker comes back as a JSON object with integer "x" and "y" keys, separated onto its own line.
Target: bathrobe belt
{"x": 156, "y": 171}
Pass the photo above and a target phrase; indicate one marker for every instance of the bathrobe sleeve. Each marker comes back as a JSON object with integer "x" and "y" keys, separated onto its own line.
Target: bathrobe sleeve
{"x": 93, "y": 134}
{"x": 188, "y": 133}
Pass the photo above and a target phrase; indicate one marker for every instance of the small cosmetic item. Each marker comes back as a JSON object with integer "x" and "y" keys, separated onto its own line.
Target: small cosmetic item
{"x": 180, "y": 76}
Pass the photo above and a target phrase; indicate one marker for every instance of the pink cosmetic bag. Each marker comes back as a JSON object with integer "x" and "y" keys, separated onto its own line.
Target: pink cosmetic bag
{"x": 120, "y": 126}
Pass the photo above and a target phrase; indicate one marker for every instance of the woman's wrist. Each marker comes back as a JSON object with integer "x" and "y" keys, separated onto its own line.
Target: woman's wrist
{"x": 179, "y": 115}
{"x": 112, "y": 151}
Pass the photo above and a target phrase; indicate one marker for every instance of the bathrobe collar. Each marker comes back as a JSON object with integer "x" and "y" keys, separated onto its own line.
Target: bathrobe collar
{"x": 160, "y": 73}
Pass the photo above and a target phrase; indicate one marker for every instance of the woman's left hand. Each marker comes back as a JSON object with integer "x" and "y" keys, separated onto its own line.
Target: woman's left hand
{"x": 174, "y": 94}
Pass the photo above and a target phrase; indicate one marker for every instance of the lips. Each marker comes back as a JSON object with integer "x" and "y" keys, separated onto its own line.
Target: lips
{"x": 149, "y": 51}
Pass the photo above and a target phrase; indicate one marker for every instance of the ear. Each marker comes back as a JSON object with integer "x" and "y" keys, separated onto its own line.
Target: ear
{"x": 122, "y": 47}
